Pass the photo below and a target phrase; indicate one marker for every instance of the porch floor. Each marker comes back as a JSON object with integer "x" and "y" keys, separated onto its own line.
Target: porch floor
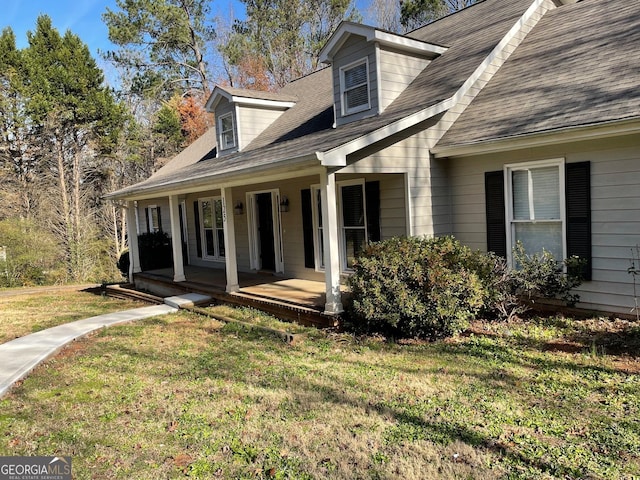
{"x": 288, "y": 298}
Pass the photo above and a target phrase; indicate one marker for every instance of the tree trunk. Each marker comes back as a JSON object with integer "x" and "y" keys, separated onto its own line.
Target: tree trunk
{"x": 66, "y": 207}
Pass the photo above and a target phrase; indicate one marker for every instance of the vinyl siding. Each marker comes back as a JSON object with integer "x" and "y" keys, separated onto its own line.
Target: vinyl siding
{"x": 354, "y": 49}
{"x": 223, "y": 108}
{"x": 615, "y": 210}
{"x": 397, "y": 71}
{"x": 165, "y": 217}
{"x": 253, "y": 121}
{"x": 427, "y": 179}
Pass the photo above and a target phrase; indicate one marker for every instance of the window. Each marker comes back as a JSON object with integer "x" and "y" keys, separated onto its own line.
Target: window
{"x": 354, "y": 85}
{"x": 358, "y": 212}
{"x": 153, "y": 219}
{"x": 554, "y": 213}
{"x": 212, "y": 228}
{"x": 535, "y": 210}
{"x": 227, "y": 134}
{"x": 354, "y": 222}
{"x": 318, "y": 233}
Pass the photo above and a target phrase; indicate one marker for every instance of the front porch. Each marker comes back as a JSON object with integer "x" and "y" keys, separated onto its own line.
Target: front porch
{"x": 290, "y": 299}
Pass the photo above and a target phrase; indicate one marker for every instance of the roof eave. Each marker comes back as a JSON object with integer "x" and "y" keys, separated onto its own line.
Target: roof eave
{"x": 371, "y": 34}
{"x": 245, "y": 176}
{"x": 573, "y": 133}
{"x": 337, "y": 157}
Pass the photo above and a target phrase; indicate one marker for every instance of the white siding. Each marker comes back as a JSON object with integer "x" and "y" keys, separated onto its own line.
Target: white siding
{"x": 354, "y": 49}
{"x": 615, "y": 210}
{"x": 223, "y": 108}
{"x": 165, "y": 215}
{"x": 253, "y": 121}
{"x": 397, "y": 71}
{"x": 427, "y": 178}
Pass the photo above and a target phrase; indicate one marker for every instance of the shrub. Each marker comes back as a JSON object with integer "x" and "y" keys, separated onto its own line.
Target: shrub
{"x": 416, "y": 287}
{"x": 542, "y": 276}
{"x": 511, "y": 292}
{"x": 502, "y": 299}
{"x": 431, "y": 288}
{"x": 32, "y": 254}
{"x": 155, "y": 251}
{"x": 123, "y": 263}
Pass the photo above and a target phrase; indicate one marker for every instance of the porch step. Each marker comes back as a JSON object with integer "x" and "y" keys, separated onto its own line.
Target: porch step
{"x": 187, "y": 300}
{"x": 284, "y": 310}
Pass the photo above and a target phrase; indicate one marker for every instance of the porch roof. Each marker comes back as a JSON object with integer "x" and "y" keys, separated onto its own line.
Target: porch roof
{"x": 302, "y": 134}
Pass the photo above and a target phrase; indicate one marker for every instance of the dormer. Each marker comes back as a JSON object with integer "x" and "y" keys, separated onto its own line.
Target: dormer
{"x": 372, "y": 67}
{"x": 241, "y": 115}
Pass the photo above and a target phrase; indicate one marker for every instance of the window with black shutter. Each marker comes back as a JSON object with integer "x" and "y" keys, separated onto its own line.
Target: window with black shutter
{"x": 196, "y": 216}
{"x": 494, "y": 198}
{"x": 359, "y": 221}
{"x": 578, "y": 203}
{"x": 533, "y": 212}
{"x": 307, "y": 229}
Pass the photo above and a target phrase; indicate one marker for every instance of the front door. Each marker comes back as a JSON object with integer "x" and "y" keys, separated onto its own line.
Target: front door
{"x": 265, "y": 224}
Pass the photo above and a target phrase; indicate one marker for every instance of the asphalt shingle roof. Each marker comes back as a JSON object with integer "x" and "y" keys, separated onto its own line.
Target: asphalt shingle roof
{"x": 579, "y": 66}
{"x": 306, "y": 128}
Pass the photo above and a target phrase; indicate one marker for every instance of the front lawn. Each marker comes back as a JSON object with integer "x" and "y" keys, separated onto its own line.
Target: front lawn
{"x": 24, "y": 314}
{"x": 184, "y": 396}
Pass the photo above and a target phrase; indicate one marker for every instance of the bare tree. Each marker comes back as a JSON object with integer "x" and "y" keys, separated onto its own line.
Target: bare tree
{"x": 386, "y": 14}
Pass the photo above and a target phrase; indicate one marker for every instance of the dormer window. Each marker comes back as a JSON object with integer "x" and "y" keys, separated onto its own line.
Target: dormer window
{"x": 354, "y": 83}
{"x": 227, "y": 133}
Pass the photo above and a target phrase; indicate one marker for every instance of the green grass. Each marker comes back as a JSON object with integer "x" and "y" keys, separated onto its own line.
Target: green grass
{"x": 184, "y": 396}
{"x": 24, "y": 314}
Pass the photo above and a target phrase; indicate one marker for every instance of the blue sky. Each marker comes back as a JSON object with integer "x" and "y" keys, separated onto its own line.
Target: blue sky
{"x": 82, "y": 17}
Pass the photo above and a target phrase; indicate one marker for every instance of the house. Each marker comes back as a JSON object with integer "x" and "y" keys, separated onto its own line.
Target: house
{"x": 504, "y": 122}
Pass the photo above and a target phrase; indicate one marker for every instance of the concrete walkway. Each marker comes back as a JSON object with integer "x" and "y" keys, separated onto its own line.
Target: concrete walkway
{"x": 20, "y": 356}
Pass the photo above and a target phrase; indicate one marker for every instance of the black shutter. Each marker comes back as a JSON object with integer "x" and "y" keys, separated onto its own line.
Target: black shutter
{"x": 307, "y": 229}
{"x": 578, "y": 203}
{"x": 372, "y": 195}
{"x": 496, "y": 225}
{"x": 159, "y": 219}
{"x": 196, "y": 216}
{"x": 146, "y": 215}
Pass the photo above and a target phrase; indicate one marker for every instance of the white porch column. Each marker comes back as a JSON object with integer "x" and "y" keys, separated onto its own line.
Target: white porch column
{"x": 331, "y": 245}
{"x": 132, "y": 239}
{"x": 230, "y": 261}
{"x": 176, "y": 239}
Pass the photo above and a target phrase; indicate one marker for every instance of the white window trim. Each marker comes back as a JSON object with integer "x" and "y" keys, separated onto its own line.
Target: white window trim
{"x": 343, "y": 91}
{"x": 342, "y": 247}
{"x": 152, "y": 229}
{"x": 315, "y": 214}
{"x": 341, "y": 226}
{"x": 203, "y": 236}
{"x": 222, "y": 132}
{"x": 508, "y": 195}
